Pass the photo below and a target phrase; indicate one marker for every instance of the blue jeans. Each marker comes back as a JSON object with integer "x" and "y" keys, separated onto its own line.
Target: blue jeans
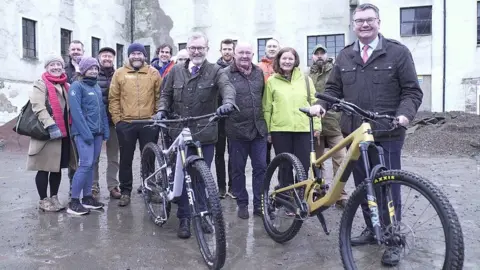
{"x": 88, "y": 155}
{"x": 183, "y": 210}
{"x": 239, "y": 151}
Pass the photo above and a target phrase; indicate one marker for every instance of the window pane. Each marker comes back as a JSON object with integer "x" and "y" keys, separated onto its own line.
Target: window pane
{"x": 424, "y": 27}
{"x": 407, "y": 15}
{"x": 423, "y": 13}
{"x": 407, "y": 29}
{"x": 330, "y": 44}
{"x": 330, "y": 38}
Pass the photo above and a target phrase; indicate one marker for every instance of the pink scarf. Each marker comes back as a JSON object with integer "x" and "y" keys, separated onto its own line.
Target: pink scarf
{"x": 53, "y": 99}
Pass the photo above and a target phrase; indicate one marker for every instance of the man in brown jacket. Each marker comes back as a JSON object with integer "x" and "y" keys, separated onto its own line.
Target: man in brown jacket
{"x": 134, "y": 95}
{"x": 331, "y": 134}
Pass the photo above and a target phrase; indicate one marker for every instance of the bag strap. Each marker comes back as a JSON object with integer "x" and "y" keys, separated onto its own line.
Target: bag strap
{"x": 308, "y": 90}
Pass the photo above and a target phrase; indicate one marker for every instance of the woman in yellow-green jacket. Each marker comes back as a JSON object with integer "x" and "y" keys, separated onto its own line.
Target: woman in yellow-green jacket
{"x": 286, "y": 92}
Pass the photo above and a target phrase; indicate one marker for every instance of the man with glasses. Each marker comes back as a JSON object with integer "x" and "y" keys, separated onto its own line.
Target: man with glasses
{"x": 377, "y": 74}
{"x": 192, "y": 89}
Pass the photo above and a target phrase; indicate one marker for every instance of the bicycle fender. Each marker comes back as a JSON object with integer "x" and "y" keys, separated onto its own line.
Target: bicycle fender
{"x": 190, "y": 159}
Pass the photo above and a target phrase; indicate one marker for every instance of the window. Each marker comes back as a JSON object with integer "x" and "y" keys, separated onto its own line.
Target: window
{"x": 416, "y": 21}
{"x": 95, "y": 46}
{"x": 261, "y": 47}
{"x": 29, "y": 38}
{"x": 65, "y": 39}
{"x": 119, "y": 55}
{"x": 147, "y": 48}
{"x": 182, "y": 46}
{"x": 478, "y": 22}
{"x": 235, "y": 42}
{"x": 333, "y": 43}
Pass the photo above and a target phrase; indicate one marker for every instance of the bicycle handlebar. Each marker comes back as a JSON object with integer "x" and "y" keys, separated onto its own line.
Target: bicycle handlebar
{"x": 212, "y": 116}
{"x": 352, "y": 108}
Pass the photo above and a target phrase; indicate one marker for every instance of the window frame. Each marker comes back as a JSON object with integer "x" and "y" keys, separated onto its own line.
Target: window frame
{"x": 119, "y": 50}
{"x": 259, "y": 56}
{"x": 182, "y": 45}
{"x": 147, "y": 57}
{"x": 329, "y": 49}
{"x": 64, "y": 46}
{"x": 28, "y": 40}
{"x": 478, "y": 23}
{"x": 415, "y": 21}
{"x": 95, "y": 50}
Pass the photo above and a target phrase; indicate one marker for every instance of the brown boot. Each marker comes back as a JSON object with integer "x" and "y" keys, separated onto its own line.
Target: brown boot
{"x": 115, "y": 193}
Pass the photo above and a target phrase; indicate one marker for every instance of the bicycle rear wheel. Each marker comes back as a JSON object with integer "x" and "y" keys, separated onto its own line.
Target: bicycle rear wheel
{"x": 158, "y": 207}
{"x": 452, "y": 231}
{"x": 207, "y": 216}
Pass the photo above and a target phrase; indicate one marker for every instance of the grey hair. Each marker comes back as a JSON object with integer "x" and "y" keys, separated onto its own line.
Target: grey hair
{"x": 366, "y": 6}
{"x": 197, "y": 35}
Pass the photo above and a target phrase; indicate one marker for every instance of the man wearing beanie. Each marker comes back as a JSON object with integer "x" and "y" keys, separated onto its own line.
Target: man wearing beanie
{"x": 106, "y": 55}
{"x": 134, "y": 95}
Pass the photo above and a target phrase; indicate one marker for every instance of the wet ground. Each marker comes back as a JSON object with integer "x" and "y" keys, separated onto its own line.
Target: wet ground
{"x": 124, "y": 238}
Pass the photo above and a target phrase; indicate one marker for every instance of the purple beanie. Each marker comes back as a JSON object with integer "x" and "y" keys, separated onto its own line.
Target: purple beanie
{"x": 86, "y": 63}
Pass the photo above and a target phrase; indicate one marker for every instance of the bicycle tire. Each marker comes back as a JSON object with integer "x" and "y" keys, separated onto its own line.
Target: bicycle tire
{"x": 153, "y": 149}
{"x": 454, "y": 255}
{"x": 199, "y": 167}
{"x": 281, "y": 237}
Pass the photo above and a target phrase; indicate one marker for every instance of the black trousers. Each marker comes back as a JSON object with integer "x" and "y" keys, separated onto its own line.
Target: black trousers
{"x": 297, "y": 143}
{"x": 128, "y": 135}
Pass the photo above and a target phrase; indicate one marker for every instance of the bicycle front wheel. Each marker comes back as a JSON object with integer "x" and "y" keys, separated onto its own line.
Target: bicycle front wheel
{"x": 396, "y": 244}
{"x": 207, "y": 216}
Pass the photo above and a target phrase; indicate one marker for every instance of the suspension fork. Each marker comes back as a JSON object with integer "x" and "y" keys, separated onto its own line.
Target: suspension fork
{"x": 371, "y": 199}
{"x": 187, "y": 180}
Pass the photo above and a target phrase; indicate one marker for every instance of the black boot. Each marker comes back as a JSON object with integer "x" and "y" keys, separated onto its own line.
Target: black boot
{"x": 184, "y": 228}
{"x": 365, "y": 238}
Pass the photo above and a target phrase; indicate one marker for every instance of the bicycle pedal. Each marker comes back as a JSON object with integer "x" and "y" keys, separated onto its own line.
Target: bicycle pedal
{"x": 321, "y": 218}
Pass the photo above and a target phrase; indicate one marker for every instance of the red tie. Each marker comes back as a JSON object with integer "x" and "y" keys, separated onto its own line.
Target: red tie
{"x": 365, "y": 54}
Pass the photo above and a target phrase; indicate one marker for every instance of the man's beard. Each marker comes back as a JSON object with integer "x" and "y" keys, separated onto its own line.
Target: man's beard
{"x": 317, "y": 66}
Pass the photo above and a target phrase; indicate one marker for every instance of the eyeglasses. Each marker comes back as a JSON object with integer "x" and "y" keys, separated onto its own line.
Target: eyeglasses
{"x": 199, "y": 49}
{"x": 360, "y": 22}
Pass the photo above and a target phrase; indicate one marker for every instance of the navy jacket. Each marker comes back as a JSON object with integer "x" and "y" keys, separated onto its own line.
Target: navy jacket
{"x": 89, "y": 117}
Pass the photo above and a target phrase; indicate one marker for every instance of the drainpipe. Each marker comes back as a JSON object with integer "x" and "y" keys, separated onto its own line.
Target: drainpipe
{"x": 444, "y": 52}
{"x": 132, "y": 21}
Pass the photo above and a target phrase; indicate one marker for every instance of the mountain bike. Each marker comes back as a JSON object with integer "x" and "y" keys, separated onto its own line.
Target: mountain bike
{"x": 310, "y": 196}
{"x": 165, "y": 169}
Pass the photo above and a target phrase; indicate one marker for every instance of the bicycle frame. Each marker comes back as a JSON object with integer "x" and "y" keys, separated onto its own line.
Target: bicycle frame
{"x": 360, "y": 141}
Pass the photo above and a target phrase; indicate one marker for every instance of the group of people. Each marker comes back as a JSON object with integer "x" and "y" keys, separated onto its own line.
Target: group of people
{"x": 86, "y": 101}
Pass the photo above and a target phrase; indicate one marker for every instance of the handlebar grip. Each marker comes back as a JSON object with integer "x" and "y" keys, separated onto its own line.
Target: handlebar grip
{"x": 327, "y": 98}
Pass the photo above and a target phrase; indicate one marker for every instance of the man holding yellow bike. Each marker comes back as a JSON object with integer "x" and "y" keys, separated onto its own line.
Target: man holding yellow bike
{"x": 377, "y": 74}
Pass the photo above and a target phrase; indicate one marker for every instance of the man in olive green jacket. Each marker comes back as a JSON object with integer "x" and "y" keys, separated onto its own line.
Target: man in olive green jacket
{"x": 331, "y": 133}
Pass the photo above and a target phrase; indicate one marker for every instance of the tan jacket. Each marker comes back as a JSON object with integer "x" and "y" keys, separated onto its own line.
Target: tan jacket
{"x": 45, "y": 155}
{"x": 134, "y": 95}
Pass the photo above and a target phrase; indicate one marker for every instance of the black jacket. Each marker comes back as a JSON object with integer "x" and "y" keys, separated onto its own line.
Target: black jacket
{"x": 186, "y": 95}
{"x": 104, "y": 78}
{"x": 70, "y": 71}
{"x": 248, "y": 123}
{"x": 221, "y": 123}
{"x": 387, "y": 84}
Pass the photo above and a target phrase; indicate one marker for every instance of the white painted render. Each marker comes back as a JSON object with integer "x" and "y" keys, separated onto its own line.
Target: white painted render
{"x": 246, "y": 20}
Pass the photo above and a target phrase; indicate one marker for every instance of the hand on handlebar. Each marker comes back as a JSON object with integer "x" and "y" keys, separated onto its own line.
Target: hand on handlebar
{"x": 225, "y": 109}
{"x": 160, "y": 115}
{"x": 317, "y": 110}
{"x": 403, "y": 120}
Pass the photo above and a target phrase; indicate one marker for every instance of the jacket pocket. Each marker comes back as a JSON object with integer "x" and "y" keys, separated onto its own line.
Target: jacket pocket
{"x": 348, "y": 74}
{"x": 383, "y": 73}
{"x": 177, "y": 91}
{"x": 205, "y": 90}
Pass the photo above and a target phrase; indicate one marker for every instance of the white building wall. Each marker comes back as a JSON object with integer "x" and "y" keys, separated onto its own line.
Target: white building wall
{"x": 102, "y": 19}
{"x": 250, "y": 20}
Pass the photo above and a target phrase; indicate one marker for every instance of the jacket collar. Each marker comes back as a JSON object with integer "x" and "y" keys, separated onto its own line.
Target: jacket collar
{"x": 354, "y": 52}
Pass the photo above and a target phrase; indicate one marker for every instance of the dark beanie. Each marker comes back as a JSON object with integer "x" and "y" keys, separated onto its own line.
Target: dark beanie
{"x": 136, "y": 47}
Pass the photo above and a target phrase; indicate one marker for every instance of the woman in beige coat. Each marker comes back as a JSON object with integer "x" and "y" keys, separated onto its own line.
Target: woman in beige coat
{"x": 49, "y": 102}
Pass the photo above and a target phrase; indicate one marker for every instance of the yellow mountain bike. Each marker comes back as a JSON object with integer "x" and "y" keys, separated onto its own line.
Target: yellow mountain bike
{"x": 310, "y": 196}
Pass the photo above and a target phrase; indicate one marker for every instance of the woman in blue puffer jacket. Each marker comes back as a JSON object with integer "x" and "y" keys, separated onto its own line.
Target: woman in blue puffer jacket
{"x": 89, "y": 129}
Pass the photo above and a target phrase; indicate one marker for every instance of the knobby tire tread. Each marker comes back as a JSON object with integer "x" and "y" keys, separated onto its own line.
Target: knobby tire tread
{"x": 290, "y": 233}
{"x": 453, "y": 231}
{"x": 216, "y": 208}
